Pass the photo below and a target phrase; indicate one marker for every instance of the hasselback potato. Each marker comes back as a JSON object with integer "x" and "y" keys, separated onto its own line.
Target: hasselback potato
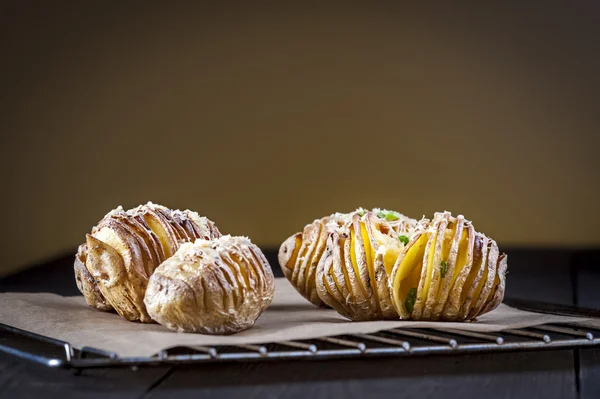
{"x": 216, "y": 286}
{"x": 113, "y": 267}
{"x": 376, "y": 265}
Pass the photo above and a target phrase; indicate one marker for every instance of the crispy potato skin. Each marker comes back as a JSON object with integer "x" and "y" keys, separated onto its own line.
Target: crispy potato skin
{"x": 113, "y": 267}
{"x": 216, "y": 286}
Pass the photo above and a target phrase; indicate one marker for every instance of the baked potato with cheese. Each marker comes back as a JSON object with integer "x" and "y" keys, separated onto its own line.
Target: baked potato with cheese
{"x": 218, "y": 286}
{"x": 113, "y": 267}
{"x": 448, "y": 271}
{"x": 352, "y": 276}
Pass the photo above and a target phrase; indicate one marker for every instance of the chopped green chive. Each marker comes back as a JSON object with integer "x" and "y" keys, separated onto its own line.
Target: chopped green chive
{"x": 443, "y": 268}
{"x": 411, "y": 298}
{"x": 390, "y": 216}
{"x": 361, "y": 212}
{"x": 403, "y": 239}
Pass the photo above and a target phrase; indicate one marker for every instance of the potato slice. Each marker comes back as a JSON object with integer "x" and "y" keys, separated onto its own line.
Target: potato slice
{"x": 358, "y": 299}
{"x": 331, "y": 284}
{"x": 464, "y": 264}
{"x": 339, "y": 287}
{"x": 360, "y": 263}
{"x": 458, "y": 241}
{"x": 170, "y": 217}
{"x": 167, "y": 236}
{"x": 152, "y": 239}
{"x": 438, "y": 268}
{"x": 288, "y": 254}
{"x": 304, "y": 279}
{"x": 311, "y": 269}
{"x": 182, "y": 223}
{"x": 148, "y": 249}
{"x": 476, "y": 277}
{"x": 486, "y": 287}
{"x": 426, "y": 271}
{"x": 499, "y": 286}
{"x": 406, "y": 272}
{"x": 310, "y": 238}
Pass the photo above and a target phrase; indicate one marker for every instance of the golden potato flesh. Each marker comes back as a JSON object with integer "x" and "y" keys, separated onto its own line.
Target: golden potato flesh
{"x": 448, "y": 271}
{"x": 352, "y": 276}
{"x": 216, "y": 286}
{"x": 113, "y": 266}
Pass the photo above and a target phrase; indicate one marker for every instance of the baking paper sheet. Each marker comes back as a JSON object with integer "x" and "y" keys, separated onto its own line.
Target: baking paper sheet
{"x": 290, "y": 317}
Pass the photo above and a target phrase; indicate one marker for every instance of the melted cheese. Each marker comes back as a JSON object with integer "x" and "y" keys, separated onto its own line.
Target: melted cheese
{"x": 409, "y": 271}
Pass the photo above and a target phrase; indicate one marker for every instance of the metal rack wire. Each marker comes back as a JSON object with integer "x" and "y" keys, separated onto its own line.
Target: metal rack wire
{"x": 394, "y": 342}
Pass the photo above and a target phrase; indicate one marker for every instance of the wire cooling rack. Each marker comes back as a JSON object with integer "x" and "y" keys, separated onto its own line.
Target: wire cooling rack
{"x": 395, "y": 342}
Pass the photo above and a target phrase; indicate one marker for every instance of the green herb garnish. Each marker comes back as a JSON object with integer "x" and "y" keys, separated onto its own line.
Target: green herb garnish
{"x": 443, "y": 268}
{"x": 390, "y": 216}
{"x": 403, "y": 239}
{"x": 361, "y": 212}
{"x": 411, "y": 298}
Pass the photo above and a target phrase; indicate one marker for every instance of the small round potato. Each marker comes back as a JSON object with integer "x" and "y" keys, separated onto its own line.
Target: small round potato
{"x": 216, "y": 286}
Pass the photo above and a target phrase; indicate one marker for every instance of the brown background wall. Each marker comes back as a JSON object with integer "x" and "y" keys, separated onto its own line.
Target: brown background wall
{"x": 266, "y": 118}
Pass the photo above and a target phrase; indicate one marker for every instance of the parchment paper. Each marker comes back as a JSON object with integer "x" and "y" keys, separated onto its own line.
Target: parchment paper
{"x": 290, "y": 317}
{"x": 592, "y": 323}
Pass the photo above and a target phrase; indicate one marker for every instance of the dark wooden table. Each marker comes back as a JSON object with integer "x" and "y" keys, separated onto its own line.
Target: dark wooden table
{"x": 559, "y": 276}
